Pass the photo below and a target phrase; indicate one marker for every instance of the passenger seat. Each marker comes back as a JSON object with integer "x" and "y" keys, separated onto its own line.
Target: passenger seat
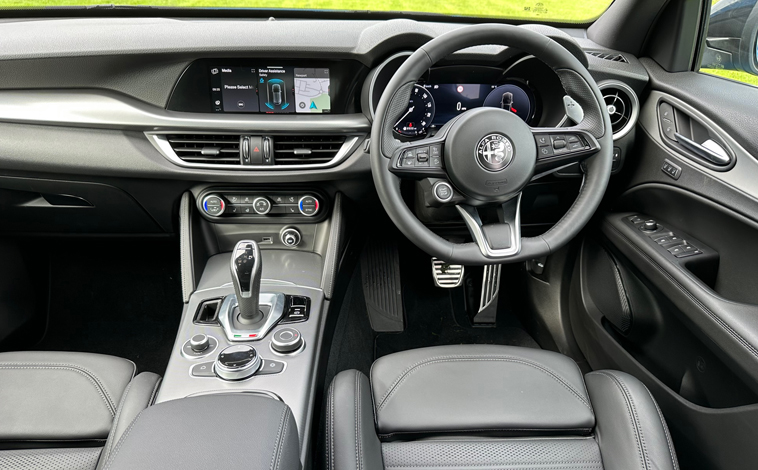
{"x": 67, "y": 410}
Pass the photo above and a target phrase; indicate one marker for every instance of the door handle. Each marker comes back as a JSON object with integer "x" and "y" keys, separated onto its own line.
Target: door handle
{"x": 704, "y": 152}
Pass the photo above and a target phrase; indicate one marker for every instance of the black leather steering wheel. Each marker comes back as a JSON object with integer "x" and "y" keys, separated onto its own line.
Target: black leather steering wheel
{"x": 488, "y": 155}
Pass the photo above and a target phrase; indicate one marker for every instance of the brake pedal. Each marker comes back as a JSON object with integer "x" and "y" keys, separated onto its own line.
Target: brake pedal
{"x": 446, "y": 275}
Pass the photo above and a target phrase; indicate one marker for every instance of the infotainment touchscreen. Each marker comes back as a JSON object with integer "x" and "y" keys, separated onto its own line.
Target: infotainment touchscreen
{"x": 270, "y": 89}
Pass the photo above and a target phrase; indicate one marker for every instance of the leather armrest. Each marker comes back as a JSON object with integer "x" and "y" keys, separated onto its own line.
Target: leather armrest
{"x": 232, "y": 431}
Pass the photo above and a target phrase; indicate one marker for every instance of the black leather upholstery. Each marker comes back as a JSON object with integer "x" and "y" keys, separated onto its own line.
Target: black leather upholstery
{"x": 232, "y": 431}
{"x": 51, "y": 402}
{"x": 470, "y": 407}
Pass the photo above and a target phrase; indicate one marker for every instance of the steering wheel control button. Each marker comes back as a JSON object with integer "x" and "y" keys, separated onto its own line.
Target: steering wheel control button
{"x": 308, "y": 206}
{"x": 270, "y": 367}
{"x": 198, "y": 346}
{"x": 290, "y": 236}
{"x": 443, "y": 192}
{"x": 213, "y": 205}
{"x": 204, "y": 369}
{"x": 286, "y": 341}
{"x": 237, "y": 362}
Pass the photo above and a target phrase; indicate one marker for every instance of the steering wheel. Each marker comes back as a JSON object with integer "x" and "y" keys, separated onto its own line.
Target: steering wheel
{"x": 485, "y": 157}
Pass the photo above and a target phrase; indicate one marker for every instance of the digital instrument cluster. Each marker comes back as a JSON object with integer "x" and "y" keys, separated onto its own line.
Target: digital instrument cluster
{"x": 270, "y": 89}
{"x": 432, "y": 105}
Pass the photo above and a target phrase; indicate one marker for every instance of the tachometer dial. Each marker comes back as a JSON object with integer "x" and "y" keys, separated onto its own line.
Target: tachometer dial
{"x": 419, "y": 115}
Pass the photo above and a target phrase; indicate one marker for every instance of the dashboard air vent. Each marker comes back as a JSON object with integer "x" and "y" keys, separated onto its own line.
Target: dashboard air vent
{"x": 221, "y": 149}
{"x": 622, "y": 105}
{"x": 611, "y": 57}
{"x": 306, "y": 150}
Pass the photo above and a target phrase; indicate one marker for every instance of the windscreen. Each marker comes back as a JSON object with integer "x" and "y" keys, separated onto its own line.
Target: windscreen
{"x": 554, "y": 11}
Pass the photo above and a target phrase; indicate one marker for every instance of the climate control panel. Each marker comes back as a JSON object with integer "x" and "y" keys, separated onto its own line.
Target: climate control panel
{"x": 268, "y": 205}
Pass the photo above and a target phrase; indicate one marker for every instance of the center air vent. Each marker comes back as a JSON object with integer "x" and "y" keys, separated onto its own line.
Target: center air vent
{"x": 306, "y": 150}
{"x": 220, "y": 149}
{"x": 622, "y": 105}
{"x": 611, "y": 57}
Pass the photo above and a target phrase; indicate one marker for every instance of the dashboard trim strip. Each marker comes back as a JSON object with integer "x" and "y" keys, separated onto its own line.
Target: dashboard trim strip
{"x": 107, "y": 110}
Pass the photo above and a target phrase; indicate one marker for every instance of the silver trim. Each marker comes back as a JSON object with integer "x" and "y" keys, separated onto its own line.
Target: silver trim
{"x": 490, "y": 285}
{"x": 474, "y": 224}
{"x": 443, "y": 279}
{"x": 275, "y": 302}
{"x": 108, "y": 110}
{"x": 635, "y": 105}
{"x": 256, "y": 210}
{"x": 434, "y": 191}
{"x": 264, "y": 393}
{"x": 249, "y": 370}
{"x": 160, "y": 142}
{"x": 377, "y": 71}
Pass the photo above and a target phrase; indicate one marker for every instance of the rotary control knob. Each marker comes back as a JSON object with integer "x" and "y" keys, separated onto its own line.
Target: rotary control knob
{"x": 199, "y": 343}
{"x": 261, "y": 206}
{"x": 286, "y": 340}
{"x": 213, "y": 205}
{"x": 650, "y": 226}
{"x": 237, "y": 362}
{"x": 308, "y": 206}
{"x": 291, "y": 236}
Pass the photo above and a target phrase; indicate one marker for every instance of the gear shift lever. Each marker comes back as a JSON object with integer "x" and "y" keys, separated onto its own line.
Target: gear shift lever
{"x": 246, "y": 277}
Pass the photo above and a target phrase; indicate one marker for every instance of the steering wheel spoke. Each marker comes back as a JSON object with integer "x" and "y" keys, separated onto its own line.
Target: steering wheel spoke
{"x": 420, "y": 159}
{"x": 496, "y": 240}
{"x": 561, "y": 147}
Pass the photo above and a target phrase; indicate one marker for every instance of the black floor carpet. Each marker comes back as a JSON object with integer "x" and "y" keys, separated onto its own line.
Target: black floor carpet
{"x": 118, "y": 297}
{"x": 436, "y": 316}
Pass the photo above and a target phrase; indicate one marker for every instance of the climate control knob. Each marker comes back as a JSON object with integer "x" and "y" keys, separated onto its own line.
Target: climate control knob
{"x": 213, "y": 205}
{"x": 291, "y": 236}
{"x": 308, "y": 206}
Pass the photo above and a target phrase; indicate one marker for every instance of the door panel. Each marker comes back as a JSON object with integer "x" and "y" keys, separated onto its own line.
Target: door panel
{"x": 640, "y": 300}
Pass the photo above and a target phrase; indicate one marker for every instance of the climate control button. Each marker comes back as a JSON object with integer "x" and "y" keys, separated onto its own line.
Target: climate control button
{"x": 308, "y": 206}
{"x": 262, "y": 206}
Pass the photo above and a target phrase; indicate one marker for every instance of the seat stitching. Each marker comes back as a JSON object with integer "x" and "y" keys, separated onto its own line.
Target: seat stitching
{"x": 80, "y": 370}
{"x": 633, "y": 418}
{"x": 674, "y": 462}
{"x": 121, "y": 442}
{"x": 433, "y": 360}
{"x": 278, "y": 437}
{"x": 281, "y": 440}
{"x": 155, "y": 391}
{"x": 109, "y": 445}
{"x": 357, "y": 408}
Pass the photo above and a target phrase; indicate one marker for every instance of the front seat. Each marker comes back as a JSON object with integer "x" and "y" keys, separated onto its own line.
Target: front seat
{"x": 66, "y": 410}
{"x": 492, "y": 407}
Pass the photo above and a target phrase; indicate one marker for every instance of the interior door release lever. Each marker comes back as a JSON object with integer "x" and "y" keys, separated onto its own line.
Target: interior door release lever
{"x": 709, "y": 150}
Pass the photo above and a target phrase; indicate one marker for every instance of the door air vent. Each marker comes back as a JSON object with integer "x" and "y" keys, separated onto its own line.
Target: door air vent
{"x": 622, "y": 105}
{"x": 611, "y": 57}
{"x": 219, "y": 149}
{"x": 306, "y": 150}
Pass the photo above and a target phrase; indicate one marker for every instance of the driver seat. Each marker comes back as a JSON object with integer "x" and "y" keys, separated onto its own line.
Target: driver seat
{"x": 475, "y": 407}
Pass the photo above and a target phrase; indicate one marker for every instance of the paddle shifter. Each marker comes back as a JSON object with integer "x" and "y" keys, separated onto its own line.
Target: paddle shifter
{"x": 246, "y": 277}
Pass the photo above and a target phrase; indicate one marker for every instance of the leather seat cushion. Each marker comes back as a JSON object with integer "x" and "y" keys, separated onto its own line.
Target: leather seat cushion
{"x": 60, "y": 396}
{"x": 486, "y": 389}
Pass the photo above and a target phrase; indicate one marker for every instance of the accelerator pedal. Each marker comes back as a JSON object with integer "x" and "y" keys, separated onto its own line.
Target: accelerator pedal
{"x": 446, "y": 275}
{"x": 380, "y": 274}
{"x": 487, "y": 314}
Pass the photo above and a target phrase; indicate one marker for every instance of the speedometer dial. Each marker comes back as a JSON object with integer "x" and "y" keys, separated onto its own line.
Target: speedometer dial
{"x": 419, "y": 115}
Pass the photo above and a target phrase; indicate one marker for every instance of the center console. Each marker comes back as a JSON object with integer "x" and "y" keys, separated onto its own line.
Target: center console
{"x": 256, "y": 286}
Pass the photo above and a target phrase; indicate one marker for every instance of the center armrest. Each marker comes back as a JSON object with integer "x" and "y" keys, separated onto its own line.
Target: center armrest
{"x": 231, "y": 431}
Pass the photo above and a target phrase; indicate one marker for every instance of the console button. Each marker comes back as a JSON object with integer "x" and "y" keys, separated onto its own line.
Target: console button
{"x": 270, "y": 366}
{"x": 262, "y": 206}
{"x": 213, "y": 205}
{"x": 286, "y": 340}
{"x": 199, "y": 343}
{"x": 308, "y": 206}
{"x": 204, "y": 369}
{"x": 237, "y": 362}
{"x": 199, "y": 346}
